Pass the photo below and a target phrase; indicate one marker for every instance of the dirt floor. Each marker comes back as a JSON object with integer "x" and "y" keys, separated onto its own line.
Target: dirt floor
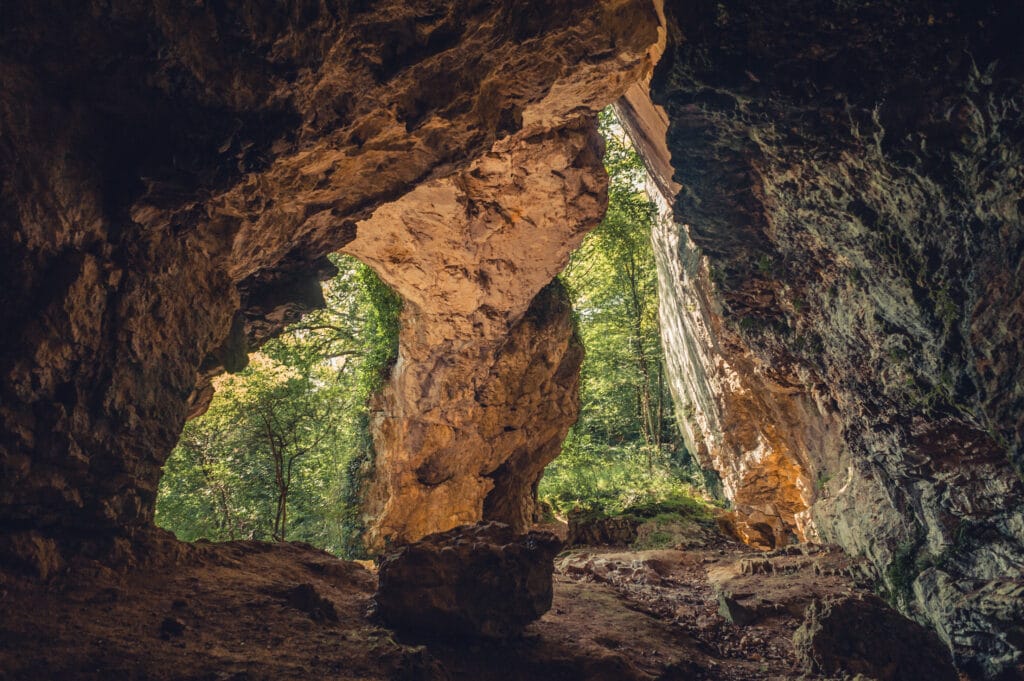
{"x": 244, "y": 611}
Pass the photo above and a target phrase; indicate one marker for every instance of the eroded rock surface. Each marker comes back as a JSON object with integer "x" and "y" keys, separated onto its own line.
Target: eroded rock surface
{"x": 476, "y": 580}
{"x": 862, "y": 635}
{"x": 173, "y": 175}
{"x": 841, "y": 287}
{"x": 743, "y": 607}
{"x": 485, "y": 386}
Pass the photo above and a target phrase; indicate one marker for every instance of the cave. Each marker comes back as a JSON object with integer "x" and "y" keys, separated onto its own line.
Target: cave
{"x": 839, "y": 246}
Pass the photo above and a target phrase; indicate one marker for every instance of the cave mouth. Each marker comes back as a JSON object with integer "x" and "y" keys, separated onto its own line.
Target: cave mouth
{"x": 282, "y": 449}
{"x": 285, "y": 447}
{"x": 171, "y": 179}
{"x": 626, "y": 451}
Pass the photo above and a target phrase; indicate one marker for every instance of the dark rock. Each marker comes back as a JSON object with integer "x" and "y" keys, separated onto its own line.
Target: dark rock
{"x": 171, "y": 627}
{"x": 843, "y": 233}
{"x": 744, "y": 609}
{"x": 305, "y": 598}
{"x": 476, "y": 580}
{"x": 586, "y": 529}
{"x": 732, "y": 611}
{"x": 863, "y": 635}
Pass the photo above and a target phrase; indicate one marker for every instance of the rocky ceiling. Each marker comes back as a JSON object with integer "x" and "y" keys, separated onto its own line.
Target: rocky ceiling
{"x": 174, "y": 174}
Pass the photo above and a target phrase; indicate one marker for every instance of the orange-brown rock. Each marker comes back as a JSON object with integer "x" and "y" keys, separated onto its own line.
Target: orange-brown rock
{"x": 481, "y": 396}
{"x": 173, "y": 174}
{"x": 471, "y": 437}
{"x": 485, "y": 387}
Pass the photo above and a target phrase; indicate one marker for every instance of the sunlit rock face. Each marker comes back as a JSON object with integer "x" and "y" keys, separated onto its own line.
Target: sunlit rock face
{"x": 842, "y": 289}
{"x": 173, "y": 174}
{"x": 486, "y": 383}
{"x": 735, "y": 415}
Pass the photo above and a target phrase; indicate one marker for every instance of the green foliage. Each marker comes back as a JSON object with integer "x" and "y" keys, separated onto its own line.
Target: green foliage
{"x": 625, "y": 450}
{"x": 381, "y": 331}
{"x": 611, "y": 479}
{"x": 680, "y": 504}
{"x": 658, "y": 540}
{"x": 613, "y": 283}
{"x": 284, "y": 447}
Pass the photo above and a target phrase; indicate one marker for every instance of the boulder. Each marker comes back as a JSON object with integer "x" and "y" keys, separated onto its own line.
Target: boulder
{"x": 588, "y": 529}
{"x": 476, "y": 580}
{"x": 862, "y": 635}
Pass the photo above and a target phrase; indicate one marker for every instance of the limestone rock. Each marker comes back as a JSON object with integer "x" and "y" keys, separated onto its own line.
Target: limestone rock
{"x": 839, "y": 260}
{"x": 465, "y": 427}
{"x": 619, "y": 569}
{"x": 477, "y": 580}
{"x": 172, "y": 175}
{"x": 862, "y": 635}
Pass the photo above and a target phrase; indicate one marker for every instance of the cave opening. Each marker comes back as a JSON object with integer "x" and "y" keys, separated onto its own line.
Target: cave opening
{"x": 284, "y": 449}
{"x": 626, "y": 454}
{"x": 841, "y": 245}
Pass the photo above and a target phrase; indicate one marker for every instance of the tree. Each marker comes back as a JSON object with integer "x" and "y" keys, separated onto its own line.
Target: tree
{"x": 279, "y": 453}
{"x": 613, "y": 281}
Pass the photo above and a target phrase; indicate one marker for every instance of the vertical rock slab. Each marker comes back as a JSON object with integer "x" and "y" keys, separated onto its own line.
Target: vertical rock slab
{"x": 737, "y": 415}
{"x": 846, "y": 264}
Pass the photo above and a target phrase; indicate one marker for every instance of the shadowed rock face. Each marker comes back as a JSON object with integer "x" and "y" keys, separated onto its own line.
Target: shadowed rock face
{"x": 862, "y": 635}
{"x": 483, "y": 580}
{"x": 842, "y": 289}
{"x": 172, "y": 176}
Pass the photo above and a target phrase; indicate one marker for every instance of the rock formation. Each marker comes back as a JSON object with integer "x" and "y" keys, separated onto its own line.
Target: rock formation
{"x": 841, "y": 258}
{"x": 486, "y": 383}
{"x": 482, "y": 396}
{"x": 476, "y": 580}
{"x": 862, "y": 635}
{"x": 172, "y": 177}
{"x": 842, "y": 290}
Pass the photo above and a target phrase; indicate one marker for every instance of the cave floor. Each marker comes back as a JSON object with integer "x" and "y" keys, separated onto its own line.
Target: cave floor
{"x": 243, "y": 611}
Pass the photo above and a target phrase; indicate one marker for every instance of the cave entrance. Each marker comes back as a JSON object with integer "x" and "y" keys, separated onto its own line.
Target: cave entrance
{"x": 280, "y": 453}
{"x": 285, "y": 448}
{"x": 625, "y": 454}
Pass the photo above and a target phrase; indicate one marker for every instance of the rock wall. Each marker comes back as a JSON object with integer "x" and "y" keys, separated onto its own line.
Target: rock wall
{"x": 842, "y": 286}
{"x": 171, "y": 176}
